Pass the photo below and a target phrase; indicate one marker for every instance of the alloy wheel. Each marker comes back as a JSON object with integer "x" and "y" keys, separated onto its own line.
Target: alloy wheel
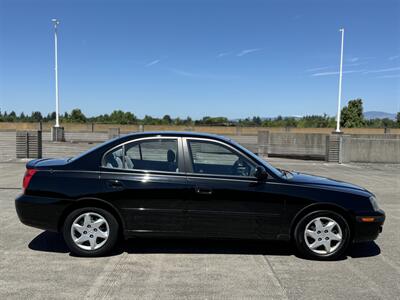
{"x": 323, "y": 235}
{"x": 90, "y": 231}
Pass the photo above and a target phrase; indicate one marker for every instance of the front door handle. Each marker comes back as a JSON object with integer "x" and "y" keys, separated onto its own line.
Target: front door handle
{"x": 115, "y": 184}
{"x": 203, "y": 191}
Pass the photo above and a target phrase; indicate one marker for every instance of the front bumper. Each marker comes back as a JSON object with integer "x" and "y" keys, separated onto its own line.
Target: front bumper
{"x": 368, "y": 227}
{"x": 40, "y": 212}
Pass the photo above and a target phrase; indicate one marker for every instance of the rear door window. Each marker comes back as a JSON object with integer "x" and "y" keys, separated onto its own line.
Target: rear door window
{"x": 152, "y": 154}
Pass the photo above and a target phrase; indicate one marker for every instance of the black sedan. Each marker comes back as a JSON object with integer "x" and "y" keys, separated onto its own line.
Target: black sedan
{"x": 180, "y": 184}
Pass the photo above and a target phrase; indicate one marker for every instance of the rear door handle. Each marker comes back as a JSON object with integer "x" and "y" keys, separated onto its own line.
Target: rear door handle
{"x": 115, "y": 184}
{"x": 203, "y": 191}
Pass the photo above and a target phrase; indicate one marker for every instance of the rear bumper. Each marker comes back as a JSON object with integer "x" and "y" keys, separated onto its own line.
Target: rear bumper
{"x": 370, "y": 230}
{"x": 40, "y": 212}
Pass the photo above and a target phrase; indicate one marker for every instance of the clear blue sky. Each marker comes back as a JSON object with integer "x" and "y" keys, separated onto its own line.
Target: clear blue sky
{"x": 197, "y": 58}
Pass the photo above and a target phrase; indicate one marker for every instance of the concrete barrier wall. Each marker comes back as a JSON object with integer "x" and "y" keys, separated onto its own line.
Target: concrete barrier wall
{"x": 376, "y": 136}
{"x": 287, "y": 144}
{"x": 306, "y": 145}
{"x": 355, "y": 148}
{"x": 370, "y": 150}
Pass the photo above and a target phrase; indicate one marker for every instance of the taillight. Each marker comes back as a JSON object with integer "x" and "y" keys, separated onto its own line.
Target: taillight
{"x": 27, "y": 178}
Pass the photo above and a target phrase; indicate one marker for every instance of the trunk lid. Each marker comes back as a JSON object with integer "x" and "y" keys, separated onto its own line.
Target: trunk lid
{"x": 45, "y": 163}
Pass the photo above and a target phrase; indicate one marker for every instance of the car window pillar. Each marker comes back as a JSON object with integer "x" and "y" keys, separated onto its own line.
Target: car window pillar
{"x": 140, "y": 151}
{"x": 123, "y": 157}
{"x": 186, "y": 156}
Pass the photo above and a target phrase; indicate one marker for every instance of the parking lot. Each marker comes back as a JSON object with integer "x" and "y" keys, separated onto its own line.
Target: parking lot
{"x": 35, "y": 264}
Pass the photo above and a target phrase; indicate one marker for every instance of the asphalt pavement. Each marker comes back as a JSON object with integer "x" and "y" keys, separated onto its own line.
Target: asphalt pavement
{"x": 36, "y": 264}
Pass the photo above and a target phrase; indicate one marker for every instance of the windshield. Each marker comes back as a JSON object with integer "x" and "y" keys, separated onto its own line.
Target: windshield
{"x": 260, "y": 159}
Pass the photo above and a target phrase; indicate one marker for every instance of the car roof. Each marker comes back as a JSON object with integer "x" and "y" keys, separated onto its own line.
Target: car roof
{"x": 177, "y": 133}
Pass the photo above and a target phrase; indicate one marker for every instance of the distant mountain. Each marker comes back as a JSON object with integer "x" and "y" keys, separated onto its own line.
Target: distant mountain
{"x": 379, "y": 115}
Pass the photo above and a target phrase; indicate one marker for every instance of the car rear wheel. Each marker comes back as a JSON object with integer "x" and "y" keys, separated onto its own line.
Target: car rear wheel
{"x": 323, "y": 235}
{"x": 90, "y": 231}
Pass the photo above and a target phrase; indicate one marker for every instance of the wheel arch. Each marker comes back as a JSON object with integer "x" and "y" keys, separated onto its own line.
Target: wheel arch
{"x": 323, "y": 206}
{"x": 92, "y": 202}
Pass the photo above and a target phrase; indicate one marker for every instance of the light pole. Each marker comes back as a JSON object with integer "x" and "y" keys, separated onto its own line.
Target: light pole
{"x": 340, "y": 83}
{"x": 56, "y": 23}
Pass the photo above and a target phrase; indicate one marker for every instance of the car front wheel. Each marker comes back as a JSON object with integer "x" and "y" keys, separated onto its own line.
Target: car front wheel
{"x": 323, "y": 235}
{"x": 90, "y": 231}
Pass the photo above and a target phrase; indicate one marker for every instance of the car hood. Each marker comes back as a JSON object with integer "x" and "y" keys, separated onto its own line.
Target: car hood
{"x": 302, "y": 178}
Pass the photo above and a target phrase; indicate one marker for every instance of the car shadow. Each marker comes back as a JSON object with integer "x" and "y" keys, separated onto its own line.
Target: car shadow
{"x": 366, "y": 249}
{"x": 48, "y": 241}
{"x": 207, "y": 246}
{"x": 53, "y": 242}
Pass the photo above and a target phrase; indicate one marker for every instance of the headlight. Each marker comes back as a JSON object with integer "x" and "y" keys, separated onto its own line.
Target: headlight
{"x": 374, "y": 203}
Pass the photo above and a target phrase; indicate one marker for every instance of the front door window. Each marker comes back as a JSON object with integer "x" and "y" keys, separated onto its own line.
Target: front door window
{"x": 214, "y": 158}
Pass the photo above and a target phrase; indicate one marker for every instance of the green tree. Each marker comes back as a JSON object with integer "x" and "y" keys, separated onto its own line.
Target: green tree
{"x": 36, "y": 116}
{"x": 65, "y": 117}
{"x": 100, "y": 119}
{"x": 167, "y": 120}
{"x": 77, "y": 116}
{"x": 12, "y": 117}
{"x": 149, "y": 120}
{"x": 178, "y": 121}
{"x": 21, "y": 117}
{"x": 290, "y": 122}
{"x": 257, "y": 121}
{"x": 213, "y": 121}
{"x": 398, "y": 119}
{"x": 352, "y": 114}
{"x": 50, "y": 116}
{"x": 316, "y": 121}
{"x": 120, "y": 117}
{"x": 188, "y": 121}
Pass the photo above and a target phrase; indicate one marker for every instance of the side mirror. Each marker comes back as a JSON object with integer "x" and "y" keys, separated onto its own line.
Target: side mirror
{"x": 260, "y": 173}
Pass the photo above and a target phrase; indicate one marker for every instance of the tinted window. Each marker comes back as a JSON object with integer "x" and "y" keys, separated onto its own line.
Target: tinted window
{"x": 114, "y": 159}
{"x": 213, "y": 158}
{"x": 155, "y": 154}
{"x": 133, "y": 152}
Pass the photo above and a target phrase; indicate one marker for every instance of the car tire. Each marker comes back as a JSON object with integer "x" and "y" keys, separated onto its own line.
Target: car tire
{"x": 90, "y": 231}
{"x": 322, "y": 235}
